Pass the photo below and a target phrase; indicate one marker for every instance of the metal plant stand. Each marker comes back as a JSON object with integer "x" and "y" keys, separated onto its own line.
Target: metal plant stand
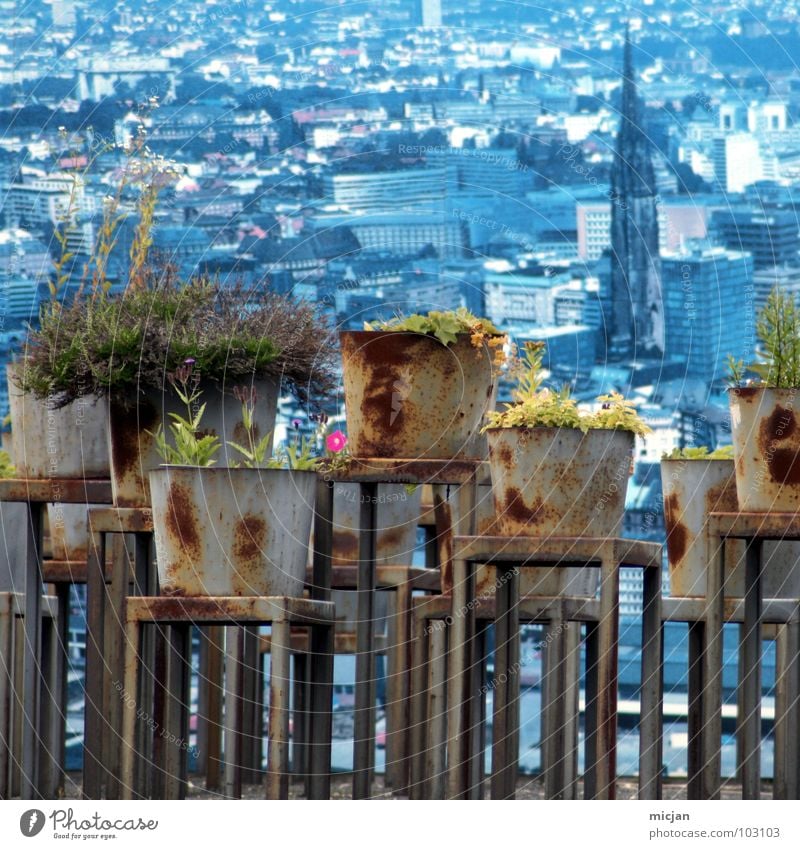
{"x": 181, "y": 613}
{"x": 457, "y": 479}
{"x": 752, "y": 611}
{"x": 36, "y": 494}
{"x": 460, "y": 776}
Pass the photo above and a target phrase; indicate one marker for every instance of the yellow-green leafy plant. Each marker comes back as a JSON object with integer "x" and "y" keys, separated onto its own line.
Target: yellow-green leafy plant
{"x": 534, "y": 405}
{"x": 447, "y": 326}
{"x": 702, "y": 452}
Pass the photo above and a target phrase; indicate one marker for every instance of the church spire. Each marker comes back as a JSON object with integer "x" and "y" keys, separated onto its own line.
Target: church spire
{"x": 637, "y": 310}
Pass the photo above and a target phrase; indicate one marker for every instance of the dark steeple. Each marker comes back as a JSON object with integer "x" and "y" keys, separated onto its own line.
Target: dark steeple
{"x": 637, "y": 310}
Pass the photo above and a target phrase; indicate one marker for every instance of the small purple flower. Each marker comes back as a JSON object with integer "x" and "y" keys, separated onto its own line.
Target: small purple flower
{"x": 296, "y": 424}
{"x": 189, "y": 361}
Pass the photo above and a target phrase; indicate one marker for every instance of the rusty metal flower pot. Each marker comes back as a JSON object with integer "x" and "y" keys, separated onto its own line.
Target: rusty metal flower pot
{"x": 133, "y": 448}
{"x": 408, "y": 396}
{"x": 398, "y": 516}
{"x": 549, "y": 481}
{"x": 69, "y": 534}
{"x": 232, "y": 532}
{"x": 533, "y": 580}
{"x": 692, "y": 489}
{"x": 766, "y": 448}
{"x": 69, "y": 442}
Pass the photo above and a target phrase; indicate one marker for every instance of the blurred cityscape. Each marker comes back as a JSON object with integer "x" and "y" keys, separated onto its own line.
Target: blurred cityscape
{"x": 613, "y": 178}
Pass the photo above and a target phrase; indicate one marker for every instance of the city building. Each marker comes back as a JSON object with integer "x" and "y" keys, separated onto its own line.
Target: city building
{"x": 773, "y": 238}
{"x": 400, "y": 189}
{"x": 708, "y": 310}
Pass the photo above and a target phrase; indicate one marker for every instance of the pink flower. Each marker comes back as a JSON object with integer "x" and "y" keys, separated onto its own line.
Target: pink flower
{"x": 336, "y": 441}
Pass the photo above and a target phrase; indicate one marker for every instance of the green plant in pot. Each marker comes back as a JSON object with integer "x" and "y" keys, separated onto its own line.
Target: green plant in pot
{"x": 417, "y": 387}
{"x": 696, "y": 482}
{"x": 764, "y": 420}
{"x": 237, "y": 529}
{"x": 123, "y": 347}
{"x": 558, "y": 470}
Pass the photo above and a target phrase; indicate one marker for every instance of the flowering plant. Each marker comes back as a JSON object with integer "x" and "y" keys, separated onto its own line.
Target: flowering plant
{"x": 192, "y": 447}
{"x": 536, "y": 406}
{"x": 446, "y": 327}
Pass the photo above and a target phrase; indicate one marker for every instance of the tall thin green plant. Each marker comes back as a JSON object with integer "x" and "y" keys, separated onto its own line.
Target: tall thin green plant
{"x": 778, "y": 329}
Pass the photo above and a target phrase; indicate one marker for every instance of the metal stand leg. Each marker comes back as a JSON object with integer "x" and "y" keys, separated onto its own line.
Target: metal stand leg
{"x": 31, "y": 692}
{"x": 321, "y": 654}
{"x": 437, "y": 715}
{"x": 506, "y": 684}
{"x": 787, "y": 699}
{"x": 608, "y": 633}
{"x": 418, "y": 720}
{"x": 364, "y": 744}
{"x": 711, "y": 737}
{"x": 277, "y": 783}
{"x": 751, "y": 684}
{"x": 233, "y": 712}
{"x": 652, "y": 692}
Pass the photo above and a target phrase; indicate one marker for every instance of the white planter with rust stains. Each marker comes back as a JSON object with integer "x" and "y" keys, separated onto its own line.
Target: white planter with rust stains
{"x": 13, "y": 522}
{"x": 69, "y": 442}
{"x": 232, "y": 532}
{"x": 766, "y": 446}
{"x": 69, "y": 534}
{"x": 549, "y": 481}
{"x": 133, "y": 448}
{"x": 692, "y": 489}
{"x": 553, "y": 482}
{"x": 408, "y": 396}
{"x": 398, "y": 517}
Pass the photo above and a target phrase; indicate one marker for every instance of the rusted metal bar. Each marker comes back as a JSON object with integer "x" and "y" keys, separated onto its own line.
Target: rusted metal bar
{"x": 49, "y": 705}
{"x": 7, "y": 694}
{"x": 211, "y": 751}
{"x": 321, "y": 652}
{"x": 787, "y": 712}
{"x": 591, "y": 711}
{"x": 711, "y": 737}
{"x": 572, "y": 645}
{"x": 364, "y": 714}
{"x": 478, "y": 744}
{"x": 234, "y": 651}
{"x": 506, "y": 672}
{"x": 176, "y": 720}
{"x": 751, "y": 683}
{"x": 29, "y": 788}
{"x": 61, "y": 693}
{"x": 433, "y": 472}
{"x": 435, "y": 752}
{"x": 651, "y": 694}
{"x": 397, "y": 743}
{"x": 608, "y": 634}
{"x": 462, "y": 703}
{"x": 129, "y": 704}
{"x": 300, "y": 717}
{"x": 114, "y": 651}
{"x": 553, "y": 744}
{"x": 277, "y": 778}
{"x": 56, "y": 490}
{"x": 418, "y": 703}
{"x": 694, "y": 785}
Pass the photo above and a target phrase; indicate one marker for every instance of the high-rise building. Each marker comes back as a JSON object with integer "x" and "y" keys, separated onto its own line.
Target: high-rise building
{"x": 709, "y": 310}
{"x": 637, "y": 313}
{"x": 431, "y": 13}
{"x": 772, "y": 237}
